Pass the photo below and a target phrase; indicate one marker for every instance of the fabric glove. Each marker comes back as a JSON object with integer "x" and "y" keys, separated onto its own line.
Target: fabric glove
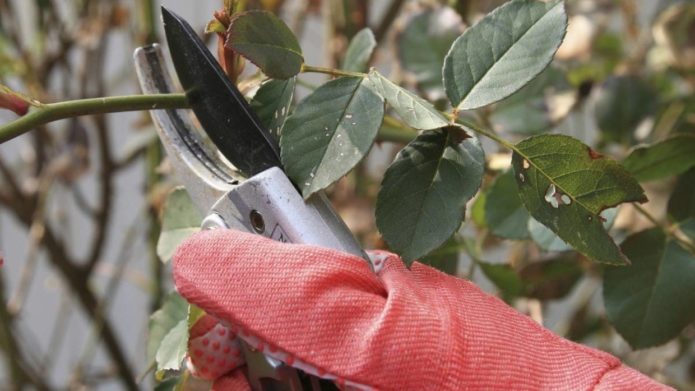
{"x": 327, "y": 313}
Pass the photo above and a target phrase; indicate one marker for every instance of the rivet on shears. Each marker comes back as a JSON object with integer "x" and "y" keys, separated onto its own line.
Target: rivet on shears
{"x": 257, "y": 221}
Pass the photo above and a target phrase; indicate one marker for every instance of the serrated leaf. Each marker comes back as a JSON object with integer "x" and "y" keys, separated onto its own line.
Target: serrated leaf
{"x": 622, "y": 103}
{"x": 424, "y": 192}
{"x": 504, "y": 278}
{"x": 266, "y": 41}
{"x": 564, "y": 184}
{"x": 173, "y": 348}
{"x": 272, "y": 104}
{"x": 549, "y": 241}
{"x": 173, "y": 310}
{"x": 651, "y": 301}
{"x": 329, "y": 132}
{"x": 424, "y": 43}
{"x": 180, "y": 219}
{"x": 505, "y": 215}
{"x": 359, "y": 51}
{"x": 672, "y": 156}
{"x": 504, "y": 51}
{"x": 415, "y": 111}
{"x": 537, "y": 107}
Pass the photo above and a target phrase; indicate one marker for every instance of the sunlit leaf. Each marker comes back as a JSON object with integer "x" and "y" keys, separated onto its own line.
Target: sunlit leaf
{"x": 359, "y": 51}
{"x": 415, "y": 111}
{"x": 423, "y": 196}
{"x": 173, "y": 348}
{"x": 672, "y": 156}
{"x": 504, "y": 51}
{"x": 623, "y": 102}
{"x": 505, "y": 215}
{"x": 272, "y": 104}
{"x": 266, "y": 41}
{"x": 423, "y": 45}
{"x": 180, "y": 219}
{"x": 330, "y": 132}
{"x": 162, "y": 321}
{"x": 565, "y": 185}
{"x": 651, "y": 301}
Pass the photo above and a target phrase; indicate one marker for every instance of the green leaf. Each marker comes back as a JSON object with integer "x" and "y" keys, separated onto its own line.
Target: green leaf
{"x": 672, "y": 156}
{"x": 272, "y": 104}
{"x": 173, "y": 311}
{"x": 424, "y": 43}
{"x": 424, "y": 193}
{"x": 504, "y": 278}
{"x": 681, "y": 205}
{"x": 415, "y": 111}
{"x": 445, "y": 258}
{"x": 551, "y": 279}
{"x": 180, "y": 219}
{"x": 651, "y": 301}
{"x": 547, "y": 240}
{"x": 505, "y": 215}
{"x": 359, "y": 51}
{"x": 173, "y": 347}
{"x": 266, "y": 41}
{"x": 537, "y": 107}
{"x": 564, "y": 184}
{"x": 330, "y": 132}
{"x": 504, "y": 51}
{"x": 622, "y": 103}
{"x": 215, "y": 26}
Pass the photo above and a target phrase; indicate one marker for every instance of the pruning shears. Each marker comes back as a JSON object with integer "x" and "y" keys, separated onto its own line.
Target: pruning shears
{"x": 252, "y": 193}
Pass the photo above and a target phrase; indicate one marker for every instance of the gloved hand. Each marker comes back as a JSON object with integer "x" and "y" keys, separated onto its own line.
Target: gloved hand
{"x": 327, "y": 313}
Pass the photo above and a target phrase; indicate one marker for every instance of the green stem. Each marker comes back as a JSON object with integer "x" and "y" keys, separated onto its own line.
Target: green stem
{"x": 330, "y": 71}
{"x": 666, "y": 229}
{"x": 488, "y": 134}
{"x": 46, "y": 113}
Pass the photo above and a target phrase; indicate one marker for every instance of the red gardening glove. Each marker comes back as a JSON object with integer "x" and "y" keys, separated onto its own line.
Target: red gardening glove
{"x": 327, "y": 313}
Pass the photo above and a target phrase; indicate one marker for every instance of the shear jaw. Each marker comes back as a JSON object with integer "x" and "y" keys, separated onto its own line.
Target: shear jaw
{"x": 206, "y": 175}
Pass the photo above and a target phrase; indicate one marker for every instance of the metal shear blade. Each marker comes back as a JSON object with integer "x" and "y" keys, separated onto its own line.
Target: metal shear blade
{"x": 202, "y": 171}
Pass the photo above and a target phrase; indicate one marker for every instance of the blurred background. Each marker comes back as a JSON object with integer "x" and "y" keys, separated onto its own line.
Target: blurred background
{"x": 80, "y": 199}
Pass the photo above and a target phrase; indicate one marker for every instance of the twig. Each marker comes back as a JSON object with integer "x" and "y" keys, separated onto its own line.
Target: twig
{"x": 55, "y": 111}
{"x": 668, "y": 230}
{"x": 387, "y": 19}
{"x": 331, "y": 71}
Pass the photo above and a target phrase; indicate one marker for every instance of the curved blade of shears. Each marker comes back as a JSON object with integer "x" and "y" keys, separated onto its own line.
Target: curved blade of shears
{"x": 202, "y": 171}
{"x": 221, "y": 109}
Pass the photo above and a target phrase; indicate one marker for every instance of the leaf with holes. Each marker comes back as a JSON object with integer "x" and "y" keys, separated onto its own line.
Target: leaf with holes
{"x": 423, "y": 45}
{"x": 173, "y": 311}
{"x": 180, "y": 219}
{"x": 505, "y": 215}
{"x": 330, "y": 131}
{"x": 504, "y": 51}
{"x": 651, "y": 301}
{"x": 266, "y": 41}
{"x": 546, "y": 239}
{"x": 272, "y": 104}
{"x": 415, "y": 111}
{"x": 424, "y": 193}
{"x": 565, "y": 185}
{"x": 672, "y": 156}
{"x": 359, "y": 51}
